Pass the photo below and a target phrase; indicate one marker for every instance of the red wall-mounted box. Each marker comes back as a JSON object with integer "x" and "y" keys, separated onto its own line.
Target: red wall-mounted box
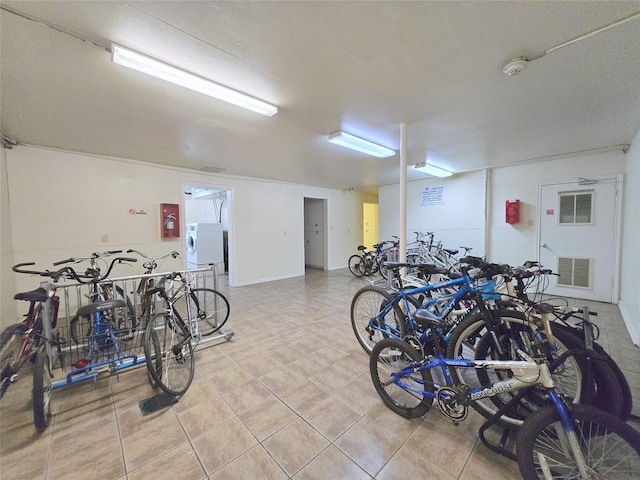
{"x": 169, "y": 220}
{"x": 512, "y": 212}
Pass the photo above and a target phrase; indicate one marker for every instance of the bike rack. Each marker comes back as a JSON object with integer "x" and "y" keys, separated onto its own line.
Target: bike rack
{"x": 125, "y": 350}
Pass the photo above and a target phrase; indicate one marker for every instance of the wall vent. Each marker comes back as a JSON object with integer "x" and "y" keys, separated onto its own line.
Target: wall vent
{"x": 574, "y": 272}
{"x": 211, "y": 169}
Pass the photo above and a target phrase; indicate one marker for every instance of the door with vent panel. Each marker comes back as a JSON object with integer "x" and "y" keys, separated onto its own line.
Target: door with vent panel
{"x": 578, "y": 238}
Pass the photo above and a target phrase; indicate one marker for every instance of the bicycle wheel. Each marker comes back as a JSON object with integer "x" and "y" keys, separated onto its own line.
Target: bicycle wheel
{"x": 601, "y": 398}
{"x": 366, "y": 306}
{"x": 356, "y": 266}
{"x": 10, "y": 344}
{"x": 390, "y": 356}
{"x": 175, "y": 350}
{"x": 471, "y": 340}
{"x": 204, "y": 306}
{"x": 42, "y": 390}
{"x": 609, "y": 447}
{"x": 154, "y": 360}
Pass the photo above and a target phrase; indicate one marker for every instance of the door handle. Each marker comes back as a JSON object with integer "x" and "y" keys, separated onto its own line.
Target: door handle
{"x": 544, "y": 245}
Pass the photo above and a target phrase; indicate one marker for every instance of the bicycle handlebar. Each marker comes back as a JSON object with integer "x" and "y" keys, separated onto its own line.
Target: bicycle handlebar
{"x": 173, "y": 254}
{"x": 93, "y": 256}
{"x": 63, "y": 272}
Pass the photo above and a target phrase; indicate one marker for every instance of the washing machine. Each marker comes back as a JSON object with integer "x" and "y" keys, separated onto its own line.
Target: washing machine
{"x": 204, "y": 244}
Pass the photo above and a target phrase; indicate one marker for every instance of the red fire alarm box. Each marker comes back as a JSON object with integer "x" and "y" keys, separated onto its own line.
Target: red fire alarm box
{"x": 169, "y": 220}
{"x": 512, "y": 212}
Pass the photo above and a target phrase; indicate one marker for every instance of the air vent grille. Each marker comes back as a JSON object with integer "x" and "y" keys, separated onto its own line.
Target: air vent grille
{"x": 211, "y": 169}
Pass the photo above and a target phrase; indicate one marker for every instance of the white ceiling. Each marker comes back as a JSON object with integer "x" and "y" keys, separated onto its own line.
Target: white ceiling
{"x": 364, "y": 67}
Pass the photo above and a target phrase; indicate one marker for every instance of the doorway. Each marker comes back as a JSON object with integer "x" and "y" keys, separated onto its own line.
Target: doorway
{"x": 579, "y": 238}
{"x": 370, "y": 225}
{"x": 315, "y": 233}
{"x": 210, "y": 206}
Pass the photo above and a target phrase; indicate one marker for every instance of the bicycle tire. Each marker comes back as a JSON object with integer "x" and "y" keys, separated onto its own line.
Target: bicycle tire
{"x": 389, "y": 356}
{"x": 176, "y": 352}
{"x": 10, "y": 346}
{"x": 154, "y": 361}
{"x": 602, "y": 399}
{"x": 206, "y": 307}
{"x": 463, "y": 343}
{"x": 42, "y": 391}
{"x": 610, "y": 447}
{"x": 356, "y": 266}
{"x": 603, "y": 390}
{"x": 366, "y": 304}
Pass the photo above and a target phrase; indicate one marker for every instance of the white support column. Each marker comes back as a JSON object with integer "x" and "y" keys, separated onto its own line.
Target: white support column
{"x": 403, "y": 193}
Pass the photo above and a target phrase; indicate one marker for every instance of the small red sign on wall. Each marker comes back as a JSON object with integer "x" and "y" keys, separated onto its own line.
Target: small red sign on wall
{"x": 550, "y": 211}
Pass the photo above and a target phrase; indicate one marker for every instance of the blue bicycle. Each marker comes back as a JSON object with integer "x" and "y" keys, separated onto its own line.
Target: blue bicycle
{"x": 558, "y": 440}
{"x": 370, "y": 262}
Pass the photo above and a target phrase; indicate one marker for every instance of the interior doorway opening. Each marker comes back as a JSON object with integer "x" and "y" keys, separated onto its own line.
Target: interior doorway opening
{"x": 370, "y": 229}
{"x": 208, "y": 227}
{"x": 315, "y": 233}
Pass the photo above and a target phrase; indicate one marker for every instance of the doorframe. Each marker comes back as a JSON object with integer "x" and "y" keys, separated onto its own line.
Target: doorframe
{"x": 230, "y": 215}
{"x": 615, "y": 288}
{"x": 325, "y": 228}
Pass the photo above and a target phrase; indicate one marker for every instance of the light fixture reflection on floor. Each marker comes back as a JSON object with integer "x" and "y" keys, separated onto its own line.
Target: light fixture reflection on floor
{"x": 364, "y": 146}
{"x": 151, "y": 66}
{"x": 432, "y": 170}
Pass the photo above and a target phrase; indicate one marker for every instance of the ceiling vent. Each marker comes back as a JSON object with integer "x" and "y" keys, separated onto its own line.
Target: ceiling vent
{"x": 211, "y": 169}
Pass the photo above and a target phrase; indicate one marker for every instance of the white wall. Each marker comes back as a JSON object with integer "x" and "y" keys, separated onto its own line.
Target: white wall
{"x": 63, "y": 204}
{"x": 630, "y": 264}
{"x": 514, "y": 244}
{"x": 458, "y": 222}
{"x": 7, "y": 281}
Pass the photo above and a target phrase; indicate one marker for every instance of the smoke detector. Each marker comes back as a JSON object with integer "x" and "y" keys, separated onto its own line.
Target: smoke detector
{"x": 515, "y": 66}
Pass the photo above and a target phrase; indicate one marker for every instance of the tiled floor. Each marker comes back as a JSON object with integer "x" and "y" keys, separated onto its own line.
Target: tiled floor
{"x": 288, "y": 397}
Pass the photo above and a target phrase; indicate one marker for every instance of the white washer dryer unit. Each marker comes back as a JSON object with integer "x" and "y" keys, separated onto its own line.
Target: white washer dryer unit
{"x": 204, "y": 243}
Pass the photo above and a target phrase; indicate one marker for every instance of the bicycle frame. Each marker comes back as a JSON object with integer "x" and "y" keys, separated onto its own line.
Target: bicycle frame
{"x": 465, "y": 289}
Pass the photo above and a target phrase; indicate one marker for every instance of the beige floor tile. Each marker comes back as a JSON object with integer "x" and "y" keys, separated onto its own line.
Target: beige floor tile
{"x": 181, "y": 463}
{"x": 256, "y": 463}
{"x": 331, "y": 418}
{"x": 441, "y": 446}
{"x": 222, "y": 444}
{"x": 281, "y": 379}
{"x": 332, "y": 463}
{"x": 267, "y": 418}
{"x": 303, "y": 396}
{"x": 205, "y": 415}
{"x": 406, "y": 464}
{"x": 368, "y": 446}
{"x": 359, "y": 394}
{"x": 392, "y": 423}
{"x": 261, "y": 364}
{"x": 483, "y": 464}
{"x": 247, "y": 395}
{"x": 295, "y": 445}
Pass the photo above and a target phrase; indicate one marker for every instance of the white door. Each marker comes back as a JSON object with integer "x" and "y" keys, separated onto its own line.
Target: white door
{"x": 578, "y": 238}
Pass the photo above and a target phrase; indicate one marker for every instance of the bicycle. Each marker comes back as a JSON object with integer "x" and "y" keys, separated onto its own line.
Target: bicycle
{"x": 369, "y": 262}
{"x": 556, "y": 441}
{"x": 122, "y": 317}
{"x": 21, "y": 341}
{"x": 377, "y": 314}
{"x": 172, "y": 335}
{"x": 147, "y": 303}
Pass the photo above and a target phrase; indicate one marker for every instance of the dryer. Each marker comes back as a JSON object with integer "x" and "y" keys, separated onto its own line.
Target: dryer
{"x": 204, "y": 244}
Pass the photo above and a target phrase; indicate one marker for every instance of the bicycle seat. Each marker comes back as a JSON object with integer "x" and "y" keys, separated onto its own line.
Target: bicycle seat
{"x": 100, "y": 306}
{"x": 362, "y": 248}
{"x": 450, "y": 251}
{"x": 37, "y": 295}
{"x": 426, "y": 319}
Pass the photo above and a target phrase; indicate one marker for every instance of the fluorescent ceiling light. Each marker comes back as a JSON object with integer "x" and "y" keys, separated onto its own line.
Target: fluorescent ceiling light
{"x": 433, "y": 170}
{"x": 142, "y": 63}
{"x": 355, "y": 143}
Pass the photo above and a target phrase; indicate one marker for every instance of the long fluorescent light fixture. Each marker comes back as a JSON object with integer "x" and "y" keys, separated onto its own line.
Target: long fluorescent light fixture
{"x": 433, "y": 170}
{"x": 364, "y": 146}
{"x": 151, "y": 66}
